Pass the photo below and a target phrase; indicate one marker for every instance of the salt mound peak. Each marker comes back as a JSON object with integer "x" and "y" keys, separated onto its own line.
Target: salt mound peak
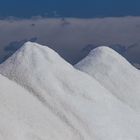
{"x": 34, "y": 64}
{"x": 29, "y": 46}
{"x": 33, "y": 45}
{"x": 32, "y": 49}
{"x": 103, "y": 50}
{"x": 104, "y": 58}
{"x": 104, "y": 53}
{"x": 115, "y": 73}
{"x": 33, "y": 56}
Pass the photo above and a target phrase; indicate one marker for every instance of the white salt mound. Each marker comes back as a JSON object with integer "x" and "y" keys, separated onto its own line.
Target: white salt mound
{"x": 61, "y": 103}
{"x": 115, "y": 73}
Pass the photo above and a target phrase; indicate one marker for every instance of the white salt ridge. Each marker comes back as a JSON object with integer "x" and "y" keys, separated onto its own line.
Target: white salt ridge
{"x": 115, "y": 73}
{"x": 23, "y": 117}
{"x": 61, "y": 102}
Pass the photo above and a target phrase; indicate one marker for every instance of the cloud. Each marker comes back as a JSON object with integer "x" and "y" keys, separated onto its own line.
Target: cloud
{"x": 70, "y": 36}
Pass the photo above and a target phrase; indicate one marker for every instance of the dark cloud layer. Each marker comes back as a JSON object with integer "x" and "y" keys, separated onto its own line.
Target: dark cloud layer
{"x": 73, "y": 38}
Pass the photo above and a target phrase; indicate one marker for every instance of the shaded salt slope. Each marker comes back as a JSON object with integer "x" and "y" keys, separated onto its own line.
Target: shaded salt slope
{"x": 80, "y": 104}
{"x": 23, "y": 117}
{"x": 115, "y": 73}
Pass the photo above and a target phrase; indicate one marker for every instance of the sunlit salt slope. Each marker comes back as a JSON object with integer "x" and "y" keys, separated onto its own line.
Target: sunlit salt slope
{"x": 24, "y": 117}
{"x": 62, "y": 103}
{"x": 114, "y": 73}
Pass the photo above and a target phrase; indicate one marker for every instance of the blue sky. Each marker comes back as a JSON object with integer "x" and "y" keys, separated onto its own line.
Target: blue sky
{"x": 69, "y": 8}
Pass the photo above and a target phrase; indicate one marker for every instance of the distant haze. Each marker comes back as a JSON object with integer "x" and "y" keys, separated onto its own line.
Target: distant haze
{"x": 72, "y": 38}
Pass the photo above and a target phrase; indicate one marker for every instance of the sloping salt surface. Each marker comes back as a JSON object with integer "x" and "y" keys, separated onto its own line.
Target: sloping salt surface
{"x": 63, "y": 103}
{"x": 24, "y": 117}
{"x": 115, "y": 73}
